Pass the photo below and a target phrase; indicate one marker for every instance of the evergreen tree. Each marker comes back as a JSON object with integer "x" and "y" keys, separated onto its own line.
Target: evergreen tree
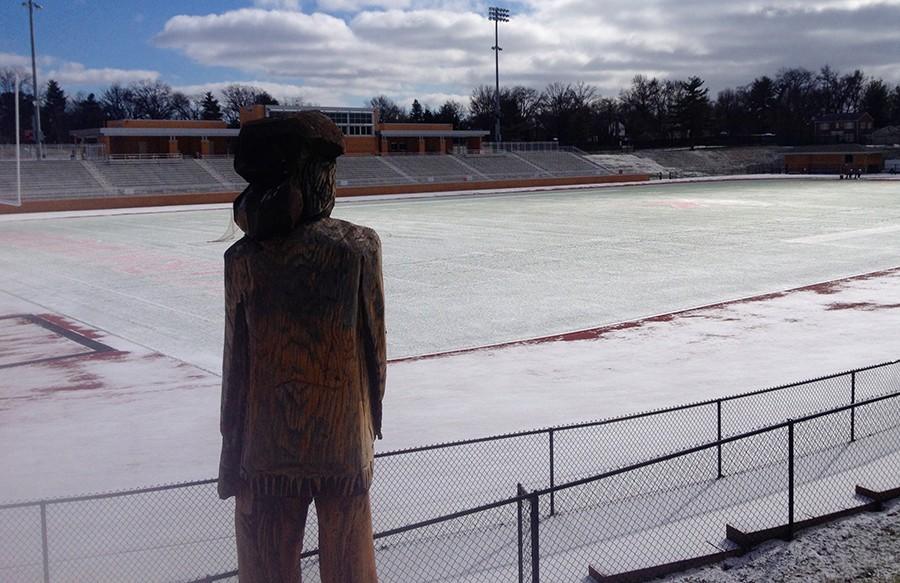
{"x": 209, "y": 107}
{"x": 692, "y": 108}
{"x": 416, "y": 113}
{"x": 895, "y": 106}
{"x": 876, "y": 101}
{"x": 451, "y": 112}
{"x": 86, "y": 113}
{"x": 53, "y": 114}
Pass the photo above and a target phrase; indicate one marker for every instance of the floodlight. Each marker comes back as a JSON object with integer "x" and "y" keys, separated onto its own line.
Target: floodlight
{"x": 497, "y": 15}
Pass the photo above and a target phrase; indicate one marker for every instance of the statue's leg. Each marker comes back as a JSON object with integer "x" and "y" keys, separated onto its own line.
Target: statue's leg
{"x": 269, "y": 537}
{"x": 346, "y": 546}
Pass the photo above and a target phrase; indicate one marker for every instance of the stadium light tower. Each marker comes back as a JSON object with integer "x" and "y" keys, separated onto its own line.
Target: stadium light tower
{"x": 38, "y": 135}
{"x": 498, "y": 15}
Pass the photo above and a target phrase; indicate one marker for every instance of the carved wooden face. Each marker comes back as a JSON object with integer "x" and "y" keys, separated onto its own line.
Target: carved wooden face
{"x": 297, "y": 191}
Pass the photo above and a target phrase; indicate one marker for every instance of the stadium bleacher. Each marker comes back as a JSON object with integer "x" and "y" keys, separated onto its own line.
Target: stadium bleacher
{"x": 61, "y": 179}
{"x": 225, "y": 168}
{"x": 49, "y": 179}
{"x": 498, "y": 166}
{"x": 153, "y": 176}
{"x": 437, "y": 166}
{"x": 559, "y": 162}
{"x": 361, "y": 170}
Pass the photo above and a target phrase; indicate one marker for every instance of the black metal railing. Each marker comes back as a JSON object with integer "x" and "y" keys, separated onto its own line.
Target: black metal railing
{"x": 186, "y": 533}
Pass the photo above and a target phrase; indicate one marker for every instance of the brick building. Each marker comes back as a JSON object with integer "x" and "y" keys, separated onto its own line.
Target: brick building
{"x": 364, "y": 133}
{"x": 846, "y": 128}
{"x": 153, "y": 137}
{"x": 833, "y": 160}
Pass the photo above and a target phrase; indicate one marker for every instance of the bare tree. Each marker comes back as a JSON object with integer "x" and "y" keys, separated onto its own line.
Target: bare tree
{"x": 388, "y": 109}
{"x": 118, "y": 102}
{"x": 152, "y": 100}
{"x": 237, "y": 96}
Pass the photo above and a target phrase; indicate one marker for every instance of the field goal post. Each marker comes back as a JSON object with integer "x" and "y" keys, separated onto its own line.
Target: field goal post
{"x": 17, "y": 200}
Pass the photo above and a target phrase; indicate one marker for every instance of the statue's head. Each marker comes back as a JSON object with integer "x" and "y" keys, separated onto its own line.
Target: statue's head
{"x": 290, "y": 165}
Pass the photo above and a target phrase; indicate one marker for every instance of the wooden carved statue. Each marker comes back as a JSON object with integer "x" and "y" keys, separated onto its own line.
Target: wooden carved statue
{"x": 304, "y": 362}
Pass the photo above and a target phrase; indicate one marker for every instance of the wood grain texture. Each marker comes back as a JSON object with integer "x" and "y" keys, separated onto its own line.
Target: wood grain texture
{"x": 270, "y": 538}
{"x": 304, "y": 363}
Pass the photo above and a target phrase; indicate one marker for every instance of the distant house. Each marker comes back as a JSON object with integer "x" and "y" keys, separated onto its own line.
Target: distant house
{"x": 844, "y": 128}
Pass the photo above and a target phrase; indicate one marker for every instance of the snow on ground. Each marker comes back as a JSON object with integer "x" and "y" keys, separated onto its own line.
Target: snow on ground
{"x": 862, "y": 548}
{"x": 470, "y": 271}
{"x": 147, "y": 286}
{"x": 136, "y": 417}
{"x": 459, "y": 272}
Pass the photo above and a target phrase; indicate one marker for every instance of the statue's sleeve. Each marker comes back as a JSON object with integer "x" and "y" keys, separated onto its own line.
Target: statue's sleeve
{"x": 374, "y": 335}
{"x": 235, "y": 380}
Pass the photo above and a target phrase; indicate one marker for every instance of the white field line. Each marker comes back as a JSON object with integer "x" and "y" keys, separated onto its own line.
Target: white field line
{"x": 842, "y": 235}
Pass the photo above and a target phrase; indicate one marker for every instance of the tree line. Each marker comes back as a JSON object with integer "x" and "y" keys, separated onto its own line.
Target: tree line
{"x": 661, "y": 112}
{"x": 650, "y": 112}
{"x": 62, "y": 113}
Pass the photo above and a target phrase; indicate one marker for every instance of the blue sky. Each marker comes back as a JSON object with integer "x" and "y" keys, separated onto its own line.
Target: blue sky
{"x": 345, "y": 51}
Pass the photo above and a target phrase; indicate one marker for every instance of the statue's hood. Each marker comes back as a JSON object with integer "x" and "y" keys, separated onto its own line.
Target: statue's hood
{"x": 281, "y": 158}
{"x": 266, "y": 211}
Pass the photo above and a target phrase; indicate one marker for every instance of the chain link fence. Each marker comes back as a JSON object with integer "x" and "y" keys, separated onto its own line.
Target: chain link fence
{"x": 466, "y": 511}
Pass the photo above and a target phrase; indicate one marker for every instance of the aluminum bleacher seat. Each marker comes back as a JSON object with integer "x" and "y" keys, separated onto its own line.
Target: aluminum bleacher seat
{"x": 49, "y": 179}
{"x": 560, "y": 162}
{"x": 152, "y": 176}
{"x": 499, "y": 166}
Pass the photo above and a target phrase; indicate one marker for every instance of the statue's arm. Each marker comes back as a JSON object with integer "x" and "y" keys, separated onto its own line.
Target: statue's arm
{"x": 235, "y": 380}
{"x": 374, "y": 334}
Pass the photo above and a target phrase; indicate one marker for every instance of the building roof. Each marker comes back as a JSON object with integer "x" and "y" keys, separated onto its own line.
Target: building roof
{"x": 433, "y": 133}
{"x": 157, "y": 132}
{"x": 832, "y": 117}
{"x": 297, "y": 108}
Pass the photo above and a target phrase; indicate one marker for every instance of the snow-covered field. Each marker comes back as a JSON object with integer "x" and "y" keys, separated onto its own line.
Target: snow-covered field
{"x": 459, "y": 272}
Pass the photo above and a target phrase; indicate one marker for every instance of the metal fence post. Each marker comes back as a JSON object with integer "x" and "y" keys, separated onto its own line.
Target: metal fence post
{"x": 719, "y": 435}
{"x": 535, "y": 539}
{"x": 790, "y": 533}
{"x": 44, "y": 548}
{"x": 552, "y": 473}
{"x": 852, "y": 409}
{"x": 519, "y": 492}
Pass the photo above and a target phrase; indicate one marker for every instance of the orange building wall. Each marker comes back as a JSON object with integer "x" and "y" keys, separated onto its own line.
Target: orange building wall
{"x": 357, "y": 145}
{"x": 165, "y": 123}
{"x": 252, "y": 113}
{"x": 832, "y": 163}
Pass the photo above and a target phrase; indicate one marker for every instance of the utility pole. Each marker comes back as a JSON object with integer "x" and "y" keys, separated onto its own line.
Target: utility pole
{"x": 38, "y": 135}
{"x": 498, "y": 15}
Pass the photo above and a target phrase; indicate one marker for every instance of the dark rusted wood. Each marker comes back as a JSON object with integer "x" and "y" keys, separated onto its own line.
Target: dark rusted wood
{"x": 305, "y": 359}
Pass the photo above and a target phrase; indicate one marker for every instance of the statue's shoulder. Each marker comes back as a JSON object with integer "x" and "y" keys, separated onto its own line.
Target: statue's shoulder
{"x": 240, "y": 248}
{"x": 358, "y": 236}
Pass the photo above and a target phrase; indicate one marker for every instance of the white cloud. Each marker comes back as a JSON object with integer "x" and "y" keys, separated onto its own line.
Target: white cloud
{"x": 14, "y": 61}
{"x": 278, "y": 4}
{"x": 75, "y": 74}
{"x": 414, "y": 48}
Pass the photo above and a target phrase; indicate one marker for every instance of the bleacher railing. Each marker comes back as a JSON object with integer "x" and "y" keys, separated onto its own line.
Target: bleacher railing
{"x": 182, "y": 532}
{"x": 55, "y": 152}
{"x": 145, "y": 157}
{"x": 522, "y": 147}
